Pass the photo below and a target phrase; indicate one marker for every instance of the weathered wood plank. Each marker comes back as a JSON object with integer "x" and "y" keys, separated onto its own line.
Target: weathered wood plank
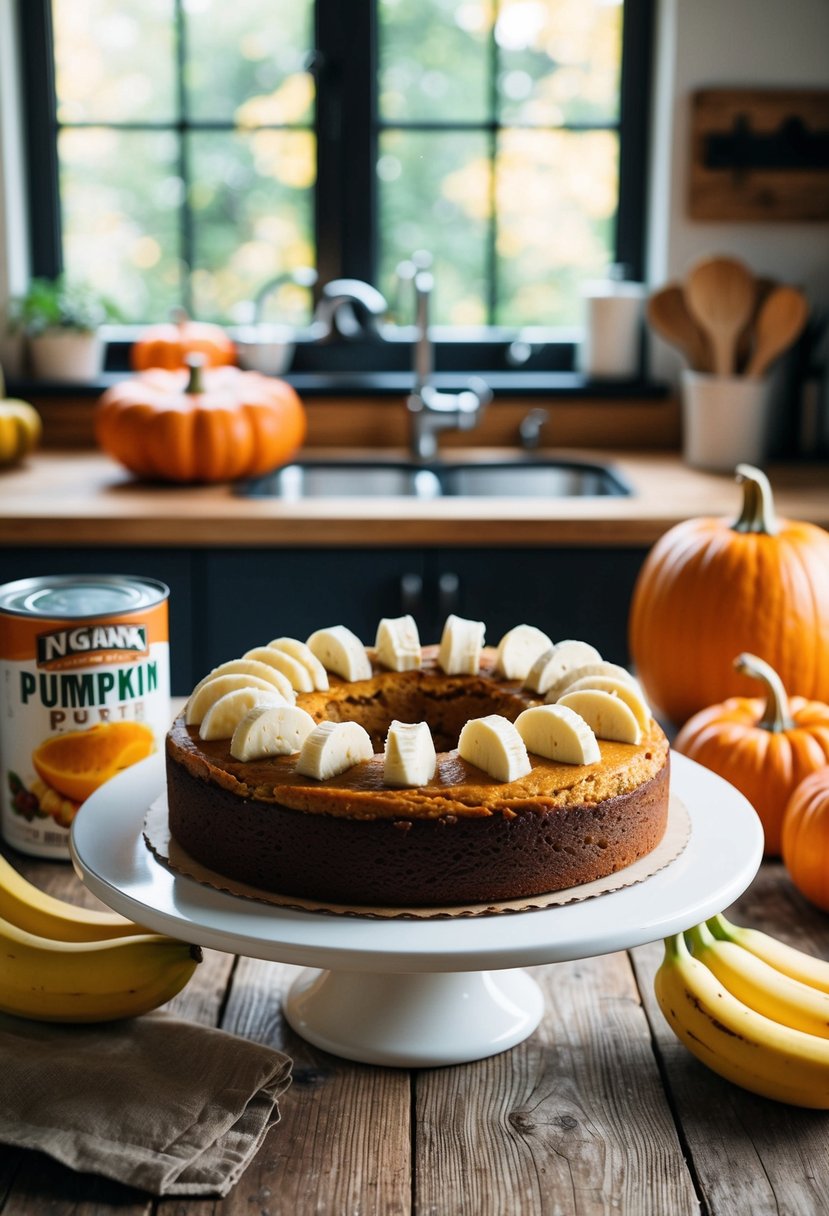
{"x": 749, "y": 1154}
{"x": 573, "y": 1121}
{"x": 344, "y": 1142}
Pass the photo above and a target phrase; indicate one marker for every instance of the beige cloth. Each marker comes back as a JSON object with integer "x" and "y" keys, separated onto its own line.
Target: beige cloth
{"x": 164, "y": 1105}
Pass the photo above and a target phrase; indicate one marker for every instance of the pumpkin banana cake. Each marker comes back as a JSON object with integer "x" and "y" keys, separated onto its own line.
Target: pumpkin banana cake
{"x": 411, "y": 776}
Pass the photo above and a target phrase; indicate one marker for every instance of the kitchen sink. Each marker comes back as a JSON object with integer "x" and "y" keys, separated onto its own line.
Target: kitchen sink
{"x": 522, "y": 477}
{"x": 530, "y": 479}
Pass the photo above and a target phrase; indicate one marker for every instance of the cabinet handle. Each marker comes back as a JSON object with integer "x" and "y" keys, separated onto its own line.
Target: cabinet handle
{"x": 448, "y": 594}
{"x": 411, "y": 594}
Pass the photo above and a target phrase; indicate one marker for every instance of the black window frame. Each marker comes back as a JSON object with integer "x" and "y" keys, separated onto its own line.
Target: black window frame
{"x": 346, "y": 127}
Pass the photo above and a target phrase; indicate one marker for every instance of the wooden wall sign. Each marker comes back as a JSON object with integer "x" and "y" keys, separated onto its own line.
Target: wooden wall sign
{"x": 760, "y": 154}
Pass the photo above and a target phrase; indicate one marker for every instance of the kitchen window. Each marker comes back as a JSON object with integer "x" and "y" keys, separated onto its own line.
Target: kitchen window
{"x": 186, "y": 152}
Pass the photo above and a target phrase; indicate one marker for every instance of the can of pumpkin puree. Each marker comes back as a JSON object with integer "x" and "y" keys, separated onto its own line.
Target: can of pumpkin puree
{"x": 85, "y": 692}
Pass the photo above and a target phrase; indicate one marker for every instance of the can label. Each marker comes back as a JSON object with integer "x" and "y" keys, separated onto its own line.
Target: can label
{"x": 81, "y": 700}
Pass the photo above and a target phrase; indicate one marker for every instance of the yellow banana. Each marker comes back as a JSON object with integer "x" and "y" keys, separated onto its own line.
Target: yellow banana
{"x": 735, "y": 1041}
{"x": 795, "y": 963}
{"x": 55, "y": 981}
{"x": 760, "y": 986}
{"x": 26, "y": 906}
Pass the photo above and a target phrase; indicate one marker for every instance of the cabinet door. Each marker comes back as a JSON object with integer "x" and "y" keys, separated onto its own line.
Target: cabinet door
{"x": 170, "y": 566}
{"x": 250, "y": 596}
{"x": 569, "y": 593}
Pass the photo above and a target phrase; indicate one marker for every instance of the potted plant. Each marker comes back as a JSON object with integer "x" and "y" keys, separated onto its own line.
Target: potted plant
{"x": 61, "y": 320}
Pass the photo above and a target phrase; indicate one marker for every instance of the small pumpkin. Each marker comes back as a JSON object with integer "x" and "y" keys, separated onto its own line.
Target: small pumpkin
{"x": 200, "y": 425}
{"x": 168, "y": 345}
{"x": 805, "y": 840}
{"x": 711, "y": 587}
{"x": 20, "y": 427}
{"x": 764, "y": 747}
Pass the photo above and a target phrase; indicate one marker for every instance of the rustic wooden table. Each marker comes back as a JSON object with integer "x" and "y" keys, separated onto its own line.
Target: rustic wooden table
{"x": 601, "y": 1110}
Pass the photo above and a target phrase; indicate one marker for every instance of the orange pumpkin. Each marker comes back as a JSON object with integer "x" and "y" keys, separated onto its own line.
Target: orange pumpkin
{"x": 710, "y": 588}
{"x": 805, "y": 842}
{"x": 763, "y": 747}
{"x": 168, "y": 345}
{"x": 200, "y": 425}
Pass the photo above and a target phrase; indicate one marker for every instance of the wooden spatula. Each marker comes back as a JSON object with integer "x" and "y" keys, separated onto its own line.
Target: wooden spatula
{"x": 779, "y": 323}
{"x": 720, "y": 294}
{"x": 668, "y": 316}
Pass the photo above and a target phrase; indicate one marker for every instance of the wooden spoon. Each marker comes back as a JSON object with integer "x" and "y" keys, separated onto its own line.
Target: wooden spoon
{"x": 668, "y": 315}
{"x": 720, "y": 294}
{"x": 779, "y": 323}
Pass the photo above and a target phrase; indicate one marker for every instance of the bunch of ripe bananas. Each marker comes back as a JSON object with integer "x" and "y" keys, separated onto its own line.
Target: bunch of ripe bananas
{"x": 753, "y": 1009}
{"x": 61, "y": 963}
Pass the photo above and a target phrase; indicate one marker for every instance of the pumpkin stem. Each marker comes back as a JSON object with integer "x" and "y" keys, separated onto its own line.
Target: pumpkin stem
{"x": 777, "y": 715}
{"x": 757, "y": 514}
{"x": 195, "y": 384}
{"x": 179, "y": 316}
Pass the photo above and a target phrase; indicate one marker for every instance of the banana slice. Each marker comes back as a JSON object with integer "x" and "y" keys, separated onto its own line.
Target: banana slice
{"x": 605, "y": 713}
{"x": 601, "y": 668}
{"x": 558, "y": 733}
{"x": 341, "y": 652}
{"x": 298, "y": 677}
{"x": 555, "y": 665}
{"x": 271, "y": 730}
{"x": 460, "y": 646}
{"x": 398, "y": 643}
{"x": 212, "y": 689}
{"x": 333, "y": 747}
{"x": 630, "y": 693}
{"x": 494, "y": 745}
{"x": 249, "y": 667}
{"x": 518, "y": 650}
{"x": 410, "y": 757}
{"x": 224, "y": 715}
{"x": 303, "y": 654}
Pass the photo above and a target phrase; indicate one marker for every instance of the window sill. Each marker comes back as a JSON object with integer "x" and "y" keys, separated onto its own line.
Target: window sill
{"x": 526, "y": 384}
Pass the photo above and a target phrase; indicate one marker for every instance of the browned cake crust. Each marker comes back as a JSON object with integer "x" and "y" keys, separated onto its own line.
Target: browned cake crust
{"x": 463, "y": 838}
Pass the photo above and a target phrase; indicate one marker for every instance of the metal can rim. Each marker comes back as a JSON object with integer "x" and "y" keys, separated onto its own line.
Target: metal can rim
{"x": 157, "y": 593}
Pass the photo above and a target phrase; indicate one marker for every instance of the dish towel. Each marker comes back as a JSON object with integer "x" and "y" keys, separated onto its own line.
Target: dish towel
{"x": 158, "y": 1103}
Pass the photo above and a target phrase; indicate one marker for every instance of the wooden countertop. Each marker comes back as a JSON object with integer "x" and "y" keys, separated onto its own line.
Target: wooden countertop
{"x": 601, "y": 1109}
{"x": 84, "y": 498}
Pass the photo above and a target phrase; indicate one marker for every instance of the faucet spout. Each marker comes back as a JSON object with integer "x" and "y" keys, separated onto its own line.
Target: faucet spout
{"x": 351, "y": 306}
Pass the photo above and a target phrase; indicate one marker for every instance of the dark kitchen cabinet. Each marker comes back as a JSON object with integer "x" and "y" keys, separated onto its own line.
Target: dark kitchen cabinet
{"x": 251, "y": 597}
{"x": 226, "y": 601}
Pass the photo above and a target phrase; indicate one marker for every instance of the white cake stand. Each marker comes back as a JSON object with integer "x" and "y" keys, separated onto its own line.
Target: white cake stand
{"x": 417, "y": 993}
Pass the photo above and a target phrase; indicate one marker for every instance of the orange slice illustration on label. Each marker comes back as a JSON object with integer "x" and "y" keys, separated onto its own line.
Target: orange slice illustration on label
{"x": 78, "y": 762}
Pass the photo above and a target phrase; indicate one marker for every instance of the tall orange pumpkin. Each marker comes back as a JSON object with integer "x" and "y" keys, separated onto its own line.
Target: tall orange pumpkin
{"x": 200, "y": 425}
{"x": 711, "y": 588}
{"x": 805, "y": 841}
{"x": 764, "y": 747}
{"x": 168, "y": 344}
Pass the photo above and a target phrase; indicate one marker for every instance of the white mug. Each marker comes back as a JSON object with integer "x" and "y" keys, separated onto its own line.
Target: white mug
{"x": 613, "y": 329}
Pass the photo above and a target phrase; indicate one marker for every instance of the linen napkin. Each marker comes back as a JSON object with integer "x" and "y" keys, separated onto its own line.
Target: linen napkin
{"x": 158, "y": 1103}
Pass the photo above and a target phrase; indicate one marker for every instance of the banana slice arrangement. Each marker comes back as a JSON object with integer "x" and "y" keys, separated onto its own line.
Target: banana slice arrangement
{"x": 251, "y": 701}
{"x": 62, "y": 963}
{"x": 751, "y": 1008}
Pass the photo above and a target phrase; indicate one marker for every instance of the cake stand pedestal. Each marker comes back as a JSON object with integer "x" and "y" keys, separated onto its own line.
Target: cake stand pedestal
{"x": 417, "y": 992}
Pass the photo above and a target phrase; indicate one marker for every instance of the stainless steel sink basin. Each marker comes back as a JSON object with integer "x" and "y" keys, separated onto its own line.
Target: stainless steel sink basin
{"x": 523, "y": 477}
{"x": 530, "y": 479}
{"x": 344, "y": 479}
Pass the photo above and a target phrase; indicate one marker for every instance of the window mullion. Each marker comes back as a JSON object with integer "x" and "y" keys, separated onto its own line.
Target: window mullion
{"x": 40, "y": 101}
{"x": 346, "y": 129}
{"x": 634, "y": 114}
